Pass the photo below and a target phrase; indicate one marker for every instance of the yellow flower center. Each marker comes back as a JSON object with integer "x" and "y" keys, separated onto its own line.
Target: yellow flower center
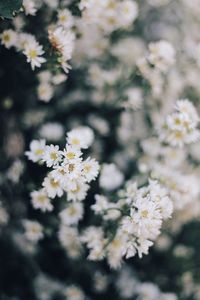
{"x": 53, "y": 155}
{"x": 76, "y": 190}
{"x": 54, "y": 183}
{"x": 33, "y": 53}
{"x": 6, "y": 37}
{"x": 75, "y": 141}
{"x": 144, "y": 213}
{"x": 70, "y": 155}
{"x": 42, "y": 198}
{"x": 72, "y": 211}
{"x": 178, "y": 135}
{"x": 87, "y": 168}
{"x": 39, "y": 152}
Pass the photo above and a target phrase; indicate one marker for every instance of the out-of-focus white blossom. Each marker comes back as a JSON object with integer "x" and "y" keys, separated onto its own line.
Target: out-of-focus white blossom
{"x": 111, "y": 177}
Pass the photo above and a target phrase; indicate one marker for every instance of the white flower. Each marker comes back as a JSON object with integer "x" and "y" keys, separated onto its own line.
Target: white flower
{"x": 52, "y": 187}
{"x": 81, "y": 137}
{"x": 51, "y": 131}
{"x": 72, "y": 214}
{"x": 110, "y": 177}
{"x": 65, "y": 18}
{"x": 90, "y": 169}
{"x": 162, "y": 55}
{"x": 135, "y": 98}
{"x": 8, "y": 38}
{"x": 73, "y": 169}
{"x": 128, "y": 12}
{"x": 74, "y": 293}
{"x": 24, "y": 39}
{"x": 78, "y": 191}
{"x": 45, "y": 91}
{"x": 71, "y": 154}
{"x": 143, "y": 246}
{"x": 33, "y": 52}
{"x": 62, "y": 40}
{"x": 180, "y": 127}
{"x": 37, "y": 148}
{"x": 52, "y": 155}
{"x": 33, "y": 230}
{"x": 40, "y": 200}
{"x": 29, "y": 7}
{"x": 69, "y": 238}
{"x": 15, "y": 171}
{"x": 101, "y": 204}
{"x": 148, "y": 291}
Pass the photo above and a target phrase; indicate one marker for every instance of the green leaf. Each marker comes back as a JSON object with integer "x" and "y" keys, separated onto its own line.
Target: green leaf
{"x": 9, "y": 7}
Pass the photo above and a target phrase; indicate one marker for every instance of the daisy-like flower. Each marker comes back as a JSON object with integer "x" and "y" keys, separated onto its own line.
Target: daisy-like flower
{"x": 8, "y": 38}
{"x": 62, "y": 41}
{"x": 29, "y": 7}
{"x": 60, "y": 174}
{"x": 101, "y": 204}
{"x": 52, "y": 155}
{"x": 52, "y": 187}
{"x": 73, "y": 169}
{"x": 33, "y": 52}
{"x": 111, "y": 177}
{"x": 69, "y": 239}
{"x": 23, "y": 40}
{"x": 162, "y": 55}
{"x": 81, "y": 137}
{"x": 45, "y": 91}
{"x": 78, "y": 191}
{"x": 90, "y": 169}
{"x": 65, "y": 18}
{"x": 180, "y": 127}
{"x": 71, "y": 154}
{"x": 72, "y": 214}
{"x": 40, "y": 200}
{"x": 37, "y": 149}
{"x": 33, "y": 230}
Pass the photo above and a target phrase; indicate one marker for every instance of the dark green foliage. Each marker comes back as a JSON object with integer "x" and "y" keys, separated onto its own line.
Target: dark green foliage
{"x": 9, "y": 7}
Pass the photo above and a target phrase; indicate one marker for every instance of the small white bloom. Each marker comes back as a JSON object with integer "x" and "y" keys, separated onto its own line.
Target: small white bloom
{"x": 29, "y": 7}
{"x": 101, "y": 204}
{"x": 40, "y": 200}
{"x": 81, "y": 137}
{"x": 162, "y": 55}
{"x": 33, "y": 230}
{"x": 45, "y": 91}
{"x": 52, "y": 155}
{"x": 33, "y": 52}
{"x": 8, "y": 38}
{"x": 52, "y": 131}
{"x": 52, "y": 187}
{"x": 74, "y": 293}
{"x": 78, "y": 191}
{"x": 90, "y": 169}
{"x": 72, "y": 214}
{"x": 110, "y": 177}
{"x": 37, "y": 148}
{"x": 65, "y": 18}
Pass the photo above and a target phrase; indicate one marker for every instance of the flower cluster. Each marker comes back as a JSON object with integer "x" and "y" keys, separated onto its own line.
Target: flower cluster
{"x": 109, "y": 15}
{"x": 112, "y": 70}
{"x": 137, "y": 218}
{"x": 180, "y": 127}
{"x": 25, "y": 43}
{"x": 70, "y": 173}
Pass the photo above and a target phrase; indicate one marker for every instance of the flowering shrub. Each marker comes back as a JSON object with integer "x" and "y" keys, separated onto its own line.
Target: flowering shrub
{"x": 111, "y": 209}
